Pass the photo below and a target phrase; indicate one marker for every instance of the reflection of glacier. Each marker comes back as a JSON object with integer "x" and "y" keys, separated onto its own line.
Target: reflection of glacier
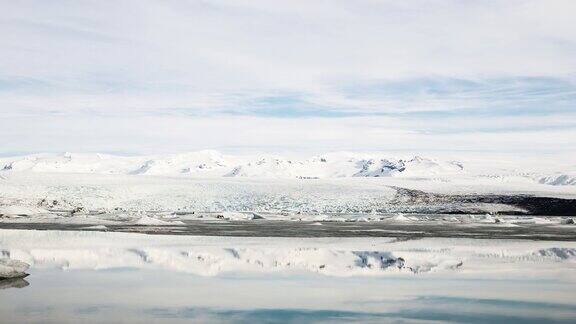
{"x": 210, "y": 256}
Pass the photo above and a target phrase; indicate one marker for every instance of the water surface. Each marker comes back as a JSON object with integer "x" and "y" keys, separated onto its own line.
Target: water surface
{"x": 128, "y": 295}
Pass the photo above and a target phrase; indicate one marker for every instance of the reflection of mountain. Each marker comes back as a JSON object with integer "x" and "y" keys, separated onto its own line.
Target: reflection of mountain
{"x": 13, "y": 283}
{"x": 331, "y": 257}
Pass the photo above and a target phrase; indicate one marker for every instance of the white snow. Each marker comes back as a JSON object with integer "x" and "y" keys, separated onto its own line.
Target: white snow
{"x": 559, "y": 179}
{"x": 330, "y": 165}
{"x": 214, "y": 164}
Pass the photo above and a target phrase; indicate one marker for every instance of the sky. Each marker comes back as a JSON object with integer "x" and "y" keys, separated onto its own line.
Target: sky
{"x": 155, "y": 76}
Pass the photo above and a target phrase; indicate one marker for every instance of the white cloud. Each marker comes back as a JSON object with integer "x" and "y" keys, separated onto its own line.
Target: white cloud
{"x": 296, "y": 44}
{"x": 172, "y": 134}
{"x": 87, "y": 64}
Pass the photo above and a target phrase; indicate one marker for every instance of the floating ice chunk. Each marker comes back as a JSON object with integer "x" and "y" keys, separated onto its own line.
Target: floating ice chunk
{"x": 489, "y": 219}
{"x": 13, "y": 269}
{"x": 534, "y": 220}
{"x": 95, "y": 227}
{"x": 451, "y": 219}
{"x": 21, "y": 210}
{"x": 146, "y": 220}
{"x": 238, "y": 216}
{"x": 400, "y": 218}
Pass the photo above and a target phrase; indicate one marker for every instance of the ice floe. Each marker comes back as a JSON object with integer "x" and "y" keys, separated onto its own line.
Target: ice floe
{"x": 12, "y": 268}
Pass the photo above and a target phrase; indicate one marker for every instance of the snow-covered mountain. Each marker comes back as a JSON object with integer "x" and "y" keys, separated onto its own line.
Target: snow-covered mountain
{"x": 213, "y": 164}
{"x": 559, "y": 179}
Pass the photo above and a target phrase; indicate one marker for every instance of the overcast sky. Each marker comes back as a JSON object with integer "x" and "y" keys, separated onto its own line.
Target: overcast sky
{"x": 167, "y": 76}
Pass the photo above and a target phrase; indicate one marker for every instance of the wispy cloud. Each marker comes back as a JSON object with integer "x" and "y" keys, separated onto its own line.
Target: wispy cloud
{"x": 409, "y": 73}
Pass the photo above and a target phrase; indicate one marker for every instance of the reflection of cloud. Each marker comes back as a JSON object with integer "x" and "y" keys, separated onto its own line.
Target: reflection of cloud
{"x": 263, "y": 315}
{"x": 93, "y": 309}
{"x": 432, "y": 308}
{"x": 316, "y": 135}
{"x": 426, "y": 308}
{"x": 89, "y": 296}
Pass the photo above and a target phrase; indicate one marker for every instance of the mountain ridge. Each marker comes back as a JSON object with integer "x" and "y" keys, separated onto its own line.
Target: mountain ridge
{"x": 213, "y": 164}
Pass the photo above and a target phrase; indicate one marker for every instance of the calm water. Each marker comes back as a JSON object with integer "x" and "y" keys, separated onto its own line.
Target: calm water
{"x": 127, "y": 295}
